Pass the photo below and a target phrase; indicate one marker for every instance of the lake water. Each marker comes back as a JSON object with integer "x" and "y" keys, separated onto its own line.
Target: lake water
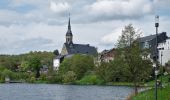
{"x": 62, "y": 92}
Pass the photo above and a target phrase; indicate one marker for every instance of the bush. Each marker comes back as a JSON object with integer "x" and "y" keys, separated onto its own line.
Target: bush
{"x": 43, "y": 77}
{"x": 69, "y": 77}
{"x": 32, "y": 80}
{"x": 7, "y": 73}
{"x": 54, "y": 79}
{"x": 90, "y": 80}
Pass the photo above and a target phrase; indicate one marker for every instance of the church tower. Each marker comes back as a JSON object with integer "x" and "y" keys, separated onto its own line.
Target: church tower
{"x": 69, "y": 35}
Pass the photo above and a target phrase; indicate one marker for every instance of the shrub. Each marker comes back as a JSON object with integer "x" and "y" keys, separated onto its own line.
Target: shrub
{"x": 69, "y": 77}
{"x": 90, "y": 80}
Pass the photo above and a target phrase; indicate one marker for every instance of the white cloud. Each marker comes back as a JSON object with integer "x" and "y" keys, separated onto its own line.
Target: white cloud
{"x": 59, "y": 7}
{"x": 161, "y": 3}
{"x": 121, "y": 8}
{"x": 24, "y": 38}
{"x": 111, "y": 39}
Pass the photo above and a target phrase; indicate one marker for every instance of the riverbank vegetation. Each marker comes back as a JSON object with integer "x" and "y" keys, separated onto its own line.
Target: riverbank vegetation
{"x": 149, "y": 92}
{"x": 163, "y": 94}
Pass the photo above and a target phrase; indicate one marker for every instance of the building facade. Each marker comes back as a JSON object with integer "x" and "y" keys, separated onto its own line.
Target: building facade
{"x": 107, "y": 55}
{"x": 164, "y": 52}
{"x": 149, "y": 42}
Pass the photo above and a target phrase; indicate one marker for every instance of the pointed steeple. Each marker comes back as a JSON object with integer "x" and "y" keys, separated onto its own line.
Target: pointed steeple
{"x": 69, "y": 32}
{"x": 69, "y": 26}
{"x": 69, "y": 35}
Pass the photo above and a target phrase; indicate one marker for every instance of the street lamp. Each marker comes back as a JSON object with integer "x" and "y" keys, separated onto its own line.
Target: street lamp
{"x": 156, "y": 54}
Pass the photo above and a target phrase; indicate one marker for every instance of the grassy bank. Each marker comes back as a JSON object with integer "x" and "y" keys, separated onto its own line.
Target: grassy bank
{"x": 164, "y": 81}
{"x": 163, "y": 94}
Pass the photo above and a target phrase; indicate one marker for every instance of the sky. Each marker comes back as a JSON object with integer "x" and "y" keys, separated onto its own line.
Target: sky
{"x": 41, "y": 25}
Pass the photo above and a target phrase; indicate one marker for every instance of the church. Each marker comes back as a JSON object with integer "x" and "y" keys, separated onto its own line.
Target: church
{"x": 70, "y": 48}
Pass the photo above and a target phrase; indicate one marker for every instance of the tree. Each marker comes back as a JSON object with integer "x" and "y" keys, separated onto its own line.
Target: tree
{"x": 35, "y": 64}
{"x": 129, "y": 50}
{"x": 24, "y": 66}
{"x": 112, "y": 71}
{"x": 80, "y": 64}
{"x": 56, "y": 52}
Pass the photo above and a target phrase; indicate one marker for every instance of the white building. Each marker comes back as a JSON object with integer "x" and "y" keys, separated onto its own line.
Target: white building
{"x": 57, "y": 61}
{"x": 164, "y": 51}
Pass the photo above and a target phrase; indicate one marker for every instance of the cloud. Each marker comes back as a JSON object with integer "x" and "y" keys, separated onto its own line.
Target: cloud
{"x": 59, "y": 7}
{"x": 22, "y": 38}
{"x": 120, "y": 9}
{"x": 111, "y": 38}
{"x": 26, "y": 45}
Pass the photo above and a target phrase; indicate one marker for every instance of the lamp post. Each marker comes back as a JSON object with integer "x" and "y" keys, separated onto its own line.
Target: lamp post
{"x": 161, "y": 68}
{"x": 156, "y": 54}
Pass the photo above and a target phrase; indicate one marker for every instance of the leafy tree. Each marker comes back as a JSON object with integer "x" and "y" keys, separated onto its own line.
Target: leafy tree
{"x": 56, "y": 52}
{"x": 112, "y": 71}
{"x": 35, "y": 64}
{"x": 130, "y": 52}
{"x": 80, "y": 64}
{"x": 24, "y": 66}
{"x": 104, "y": 72}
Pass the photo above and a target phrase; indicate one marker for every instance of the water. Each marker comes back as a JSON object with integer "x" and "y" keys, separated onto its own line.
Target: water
{"x": 62, "y": 92}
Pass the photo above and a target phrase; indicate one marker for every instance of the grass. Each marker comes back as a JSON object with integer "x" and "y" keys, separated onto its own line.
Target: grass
{"x": 90, "y": 80}
{"x": 164, "y": 81}
{"x": 120, "y": 84}
{"x": 163, "y": 94}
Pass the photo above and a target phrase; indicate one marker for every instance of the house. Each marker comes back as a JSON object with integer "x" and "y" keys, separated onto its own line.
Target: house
{"x": 70, "y": 48}
{"x": 107, "y": 55}
{"x": 164, "y": 52}
{"x": 149, "y": 42}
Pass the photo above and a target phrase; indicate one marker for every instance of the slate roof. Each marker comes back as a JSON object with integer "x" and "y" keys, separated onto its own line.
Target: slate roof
{"x": 147, "y": 38}
{"x": 80, "y": 49}
{"x": 161, "y": 37}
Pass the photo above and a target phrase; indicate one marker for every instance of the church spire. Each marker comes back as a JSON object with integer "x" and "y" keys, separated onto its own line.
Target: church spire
{"x": 69, "y": 26}
{"x": 69, "y": 35}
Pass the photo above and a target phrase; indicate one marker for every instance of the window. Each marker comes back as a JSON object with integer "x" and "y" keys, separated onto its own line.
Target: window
{"x": 146, "y": 44}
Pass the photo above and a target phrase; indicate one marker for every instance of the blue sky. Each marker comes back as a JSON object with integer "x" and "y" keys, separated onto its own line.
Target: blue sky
{"x": 40, "y": 25}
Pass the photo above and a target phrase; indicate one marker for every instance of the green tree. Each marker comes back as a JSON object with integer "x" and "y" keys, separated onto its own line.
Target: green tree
{"x": 35, "y": 65}
{"x": 112, "y": 71}
{"x": 80, "y": 64}
{"x": 56, "y": 52}
{"x": 130, "y": 52}
{"x": 24, "y": 66}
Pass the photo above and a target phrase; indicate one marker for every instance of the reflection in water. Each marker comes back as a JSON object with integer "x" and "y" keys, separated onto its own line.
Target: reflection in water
{"x": 62, "y": 92}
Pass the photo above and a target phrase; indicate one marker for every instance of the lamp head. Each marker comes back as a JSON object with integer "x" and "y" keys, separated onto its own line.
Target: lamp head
{"x": 156, "y": 21}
